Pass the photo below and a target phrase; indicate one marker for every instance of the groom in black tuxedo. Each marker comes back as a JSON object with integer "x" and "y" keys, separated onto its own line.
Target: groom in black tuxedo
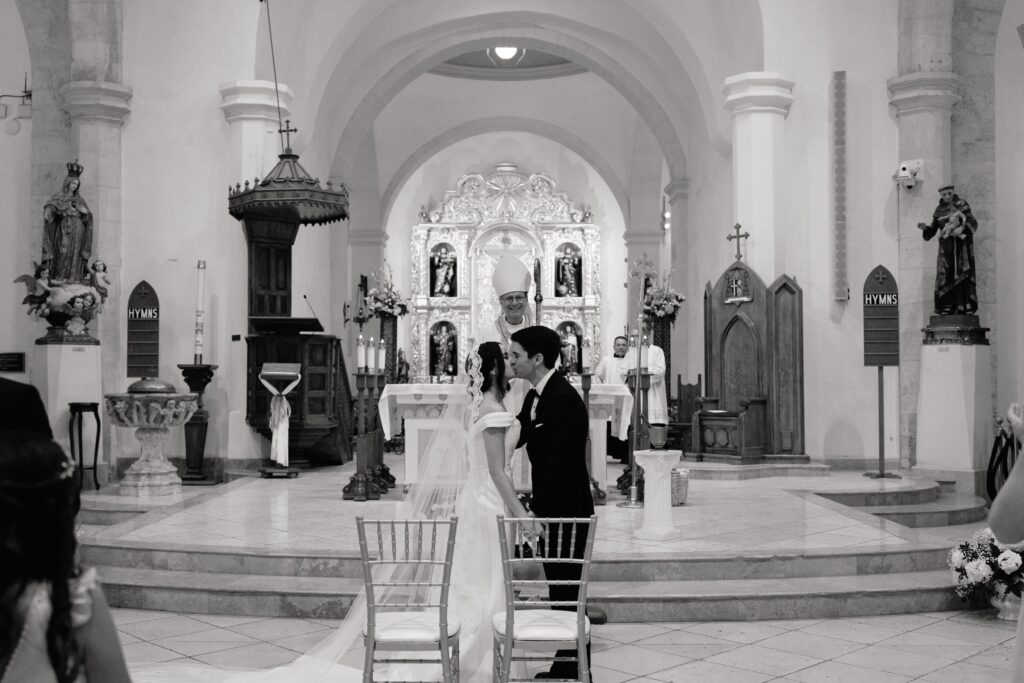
{"x": 554, "y": 430}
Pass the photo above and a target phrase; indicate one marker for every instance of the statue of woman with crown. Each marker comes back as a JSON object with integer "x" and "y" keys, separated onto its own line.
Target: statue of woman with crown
{"x": 67, "y": 232}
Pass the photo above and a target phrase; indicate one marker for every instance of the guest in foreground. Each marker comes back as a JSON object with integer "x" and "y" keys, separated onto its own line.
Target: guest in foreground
{"x": 55, "y": 624}
{"x": 21, "y": 408}
{"x": 1006, "y": 519}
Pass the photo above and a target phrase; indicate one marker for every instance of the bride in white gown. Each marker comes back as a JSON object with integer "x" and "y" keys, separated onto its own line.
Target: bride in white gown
{"x": 462, "y": 472}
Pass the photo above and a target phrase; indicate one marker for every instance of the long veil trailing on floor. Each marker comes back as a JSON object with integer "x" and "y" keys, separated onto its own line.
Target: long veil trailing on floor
{"x": 443, "y": 472}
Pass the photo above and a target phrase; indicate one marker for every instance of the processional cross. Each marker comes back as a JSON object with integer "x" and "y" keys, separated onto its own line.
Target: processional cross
{"x": 738, "y": 236}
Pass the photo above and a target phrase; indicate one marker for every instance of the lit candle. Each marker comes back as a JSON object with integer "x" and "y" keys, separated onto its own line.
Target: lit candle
{"x": 588, "y": 355}
{"x": 371, "y": 357}
{"x": 645, "y": 346}
{"x": 360, "y": 354}
{"x": 382, "y": 362}
{"x": 197, "y": 347}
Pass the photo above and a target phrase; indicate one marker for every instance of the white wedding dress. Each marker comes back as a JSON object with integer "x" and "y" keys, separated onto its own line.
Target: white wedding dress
{"x": 476, "y": 592}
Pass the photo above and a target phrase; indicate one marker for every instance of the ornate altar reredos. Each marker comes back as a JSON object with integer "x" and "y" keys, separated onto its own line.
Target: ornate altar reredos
{"x": 485, "y": 217}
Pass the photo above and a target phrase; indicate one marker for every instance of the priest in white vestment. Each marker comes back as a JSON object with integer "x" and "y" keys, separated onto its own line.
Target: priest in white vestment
{"x": 657, "y": 395}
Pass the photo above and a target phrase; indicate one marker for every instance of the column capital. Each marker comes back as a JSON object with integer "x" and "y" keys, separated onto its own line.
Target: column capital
{"x": 924, "y": 91}
{"x": 96, "y": 101}
{"x": 758, "y": 91}
{"x": 677, "y": 190}
{"x": 643, "y": 239}
{"x": 253, "y": 101}
{"x": 367, "y": 239}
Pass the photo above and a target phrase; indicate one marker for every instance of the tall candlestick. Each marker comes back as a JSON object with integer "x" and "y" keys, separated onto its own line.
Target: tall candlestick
{"x": 197, "y": 347}
{"x": 645, "y": 347}
{"x": 371, "y": 357}
{"x": 360, "y": 354}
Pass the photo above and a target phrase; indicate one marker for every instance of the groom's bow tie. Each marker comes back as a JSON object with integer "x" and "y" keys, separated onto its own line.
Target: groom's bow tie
{"x": 531, "y": 399}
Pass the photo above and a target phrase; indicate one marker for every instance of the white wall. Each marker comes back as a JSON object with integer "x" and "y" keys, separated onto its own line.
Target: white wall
{"x": 532, "y": 154}
{"x": 17, "y": 330}
{"x": 1009, "y": 167}
{"x": 860, "y": 38}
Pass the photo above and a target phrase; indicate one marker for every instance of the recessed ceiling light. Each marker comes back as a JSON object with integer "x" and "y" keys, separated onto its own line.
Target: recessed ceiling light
{"x": 505, "y": 53}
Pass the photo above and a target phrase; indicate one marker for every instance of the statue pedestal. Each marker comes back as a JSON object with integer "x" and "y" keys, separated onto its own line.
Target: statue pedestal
{"x": 657, "y": 466}
{"x": 151, "y": 474}
{"x": 954, "y": 407}
{"x": 64, "y": 374}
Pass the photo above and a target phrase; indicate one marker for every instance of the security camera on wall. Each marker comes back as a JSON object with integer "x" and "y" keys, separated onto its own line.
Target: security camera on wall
{"x": 906, "y": 174}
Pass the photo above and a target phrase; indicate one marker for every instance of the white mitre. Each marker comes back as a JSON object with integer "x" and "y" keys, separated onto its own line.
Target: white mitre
{"x": 510, "y": 275}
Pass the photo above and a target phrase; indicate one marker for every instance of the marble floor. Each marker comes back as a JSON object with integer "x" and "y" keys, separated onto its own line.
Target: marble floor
{"x": 947, "y": 647}
{"x": 307, "y": 513}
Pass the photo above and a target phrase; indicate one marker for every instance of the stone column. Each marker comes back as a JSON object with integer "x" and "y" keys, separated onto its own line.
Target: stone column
{"x": 250, "y": 107}
{"x": 759, "y": 102}
{"x": 682, "y": 274}
{"x": 97, "y": 111}
{"x": 923, "y": 96}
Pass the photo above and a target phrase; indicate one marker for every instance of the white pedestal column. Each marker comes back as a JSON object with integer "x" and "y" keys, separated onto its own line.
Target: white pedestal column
{"x": 954, "y": 433}
{"x": 67, "y": 373}
{"x": 759, "y": 102}
{"x": 657, "y": 466}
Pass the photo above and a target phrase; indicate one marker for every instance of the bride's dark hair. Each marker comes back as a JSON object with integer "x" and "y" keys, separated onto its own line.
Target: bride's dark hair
{"x": 38, "y": 501}
{"x": 492, "y": 357}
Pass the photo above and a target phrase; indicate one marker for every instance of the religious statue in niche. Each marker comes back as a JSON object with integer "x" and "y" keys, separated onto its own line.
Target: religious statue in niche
{"x": 956, "y": 277}
{"x": 64, "y": 288}
{"x": 443, "y": 350}
{"x": 572, "y": 337}
{"x": 443, "y": 273}
{"x": 568, "y": 271}
{"x": 401, "y": 368}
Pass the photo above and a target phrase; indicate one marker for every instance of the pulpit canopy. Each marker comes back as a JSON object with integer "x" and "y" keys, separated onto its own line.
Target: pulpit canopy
{"x": 289, "y": 194}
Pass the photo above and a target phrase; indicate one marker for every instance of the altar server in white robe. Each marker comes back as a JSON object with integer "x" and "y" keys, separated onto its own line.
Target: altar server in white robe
{"x": 657, "y": 395}
{"x": 612, "y": 370}
{"x": 511, "y": 282}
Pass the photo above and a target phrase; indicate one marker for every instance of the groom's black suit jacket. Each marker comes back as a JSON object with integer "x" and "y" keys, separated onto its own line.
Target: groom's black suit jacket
{"x": 556, "y": 443}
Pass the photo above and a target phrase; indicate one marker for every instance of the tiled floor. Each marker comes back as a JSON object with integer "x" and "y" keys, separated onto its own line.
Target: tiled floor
{"x": 720, "y": 516}
{"x": 948, "y": 647}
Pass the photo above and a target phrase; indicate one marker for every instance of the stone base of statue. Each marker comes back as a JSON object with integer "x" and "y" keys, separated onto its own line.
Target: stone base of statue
{"x": 152, "y": 474}
{"x": 657, "y": 466}
{"x": 954, "y": 404}
{"x": 66, "y": 374}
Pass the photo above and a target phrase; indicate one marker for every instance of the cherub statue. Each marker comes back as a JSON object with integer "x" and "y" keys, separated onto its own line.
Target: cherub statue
{"x": 39, "y": 289}
{"x": 424, "y": 216}
{"x": 98, "y": 278}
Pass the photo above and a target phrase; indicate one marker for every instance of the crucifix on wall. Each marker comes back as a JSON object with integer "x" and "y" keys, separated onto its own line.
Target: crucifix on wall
{"x": 738, "y": 237}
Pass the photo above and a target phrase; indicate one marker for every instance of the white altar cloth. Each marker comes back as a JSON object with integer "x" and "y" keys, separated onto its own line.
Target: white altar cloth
{"x": 421, "y": 405}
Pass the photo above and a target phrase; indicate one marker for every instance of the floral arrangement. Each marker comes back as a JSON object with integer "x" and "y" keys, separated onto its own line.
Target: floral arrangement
{"x": 984, "y": 567}
{"x": 383, "y": 299}
{"x": 661, "y": 301}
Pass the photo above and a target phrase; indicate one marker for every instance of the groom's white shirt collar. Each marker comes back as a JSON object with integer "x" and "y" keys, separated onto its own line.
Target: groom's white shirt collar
{"x": 543, "y": 382}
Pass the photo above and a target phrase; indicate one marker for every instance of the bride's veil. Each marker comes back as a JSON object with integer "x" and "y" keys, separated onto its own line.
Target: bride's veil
{"x": 443, "y": 471}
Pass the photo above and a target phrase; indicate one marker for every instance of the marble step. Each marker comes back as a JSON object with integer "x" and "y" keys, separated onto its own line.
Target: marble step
{"x": 609, "y": 567}
{"x": 903, "y": 493}
{"x": 729, "y": 472}
{"x": 235, "y": 594}
{"x": 949, "y": 509}
{"x": 103, "y": 513}
{"x": 756, "y": 599}
{"x": 624, "y": 601}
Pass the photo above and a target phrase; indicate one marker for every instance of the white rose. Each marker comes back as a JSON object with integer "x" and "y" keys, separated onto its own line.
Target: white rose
{"x": 957, "y": 559}
{"x": 1009, "y": 561}
{"x": 978, "y": 571}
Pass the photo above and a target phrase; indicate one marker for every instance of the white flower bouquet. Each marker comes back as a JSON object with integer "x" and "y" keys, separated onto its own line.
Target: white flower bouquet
{"x": 383, "y": 299}
{"x": 662, "y": 301}
{"x": 984, "y": 567}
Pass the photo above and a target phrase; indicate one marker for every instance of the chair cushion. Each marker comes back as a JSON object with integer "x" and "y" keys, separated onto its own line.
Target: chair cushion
{"x": 540, "y": 624}
{"x": 411, "y": 627}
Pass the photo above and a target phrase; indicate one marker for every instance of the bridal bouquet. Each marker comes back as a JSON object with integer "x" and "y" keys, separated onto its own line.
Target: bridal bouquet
{"x": 983, "y": 567}
{"x": 383, "y": 299}
{"x": 662, "y": 301}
